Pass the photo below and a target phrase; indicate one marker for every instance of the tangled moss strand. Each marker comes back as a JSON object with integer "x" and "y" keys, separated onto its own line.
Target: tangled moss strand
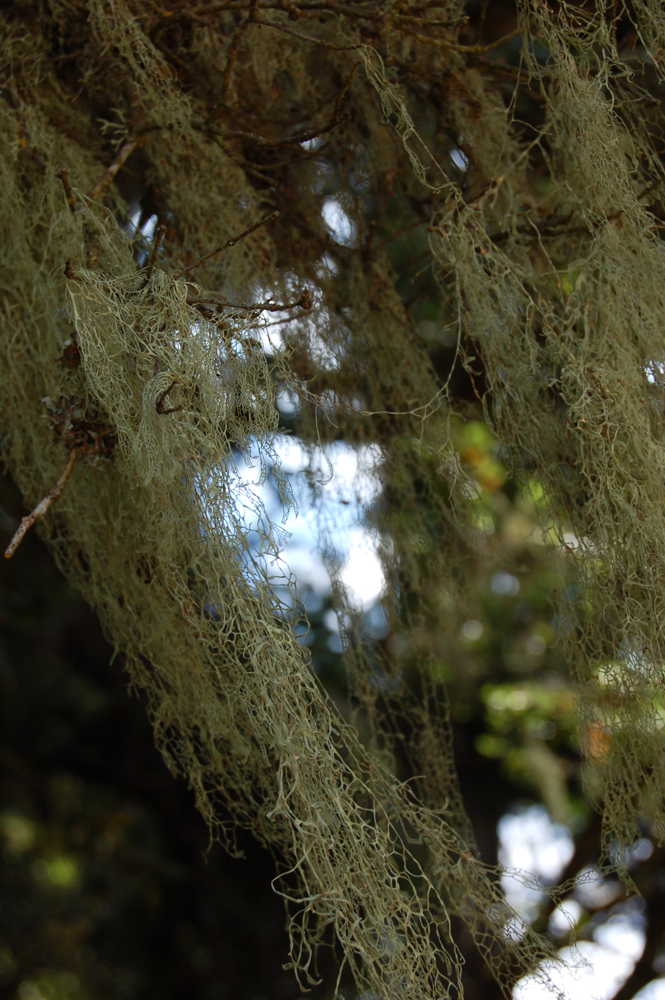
{"x": 539, "y": 245}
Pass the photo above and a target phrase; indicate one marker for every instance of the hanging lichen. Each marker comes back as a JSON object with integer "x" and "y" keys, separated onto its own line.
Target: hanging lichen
{"x": 149, "y": 362}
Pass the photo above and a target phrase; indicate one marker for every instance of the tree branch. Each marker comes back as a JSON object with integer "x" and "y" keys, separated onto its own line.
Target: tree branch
{"x": 226, "y": 246}
{"x": 63, "y": 175}
{"x": 123, "y": 155}
{"x": 42, "y": 507}
{"x": 304, "y": 302}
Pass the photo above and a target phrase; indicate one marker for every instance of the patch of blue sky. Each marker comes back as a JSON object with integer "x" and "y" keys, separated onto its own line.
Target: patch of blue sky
{"x": 330, "y": 513}
{"x": 531, "y": 842}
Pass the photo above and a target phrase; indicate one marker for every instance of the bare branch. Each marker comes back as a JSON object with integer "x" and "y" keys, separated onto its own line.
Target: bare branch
{"x": 42, "y": 507}
{"x": 227, "y": 246}
{"x": 123, "y": 155}
{"x": 231, "y": 60}
{"x": 447, "y": 44}
{"x": 304, "y": 302}
{"x": 305, "y": 38}
{"x": 159, "y": 404}
{"x": 159, "y": 236}
{"x": 69, "y": 194}
{"x": 292, "y": 140}
{"x": 311, "y": 155}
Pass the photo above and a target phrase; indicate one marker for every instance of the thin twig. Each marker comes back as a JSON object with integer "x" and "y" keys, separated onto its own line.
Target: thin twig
{"x": 124, "y": 153}
{"x": 250, "y": 168}
{"x": 369, "y": 250}
{"x": 69, "y": 194}
{"x": 455, "y": 22}
{"x": 157, "y": 242}
{"x": 231, "y": 60}
{"x": 280, "y": 322}
{"x": 650, "y": 188}
{"x": 341, "y": 97}
{"x": 304, "y": 302}
{"x": 294, "y": 140}
{"x": 305, "y": 38}
{"x": 310, "y": 9}
{"x": 68, "y": 55}
{"x": 338, "y": 116}
{"x": 514, "y": 72}
{"x": 483, "y": 15}
{"x": 313, "y": 153}
{"x": 226, "y": 246}
{"x": 42, "y": 507}
{"x": 304, "y": 9}
{"x": 159, "y": 403}
{"x": 473, "y": 49}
